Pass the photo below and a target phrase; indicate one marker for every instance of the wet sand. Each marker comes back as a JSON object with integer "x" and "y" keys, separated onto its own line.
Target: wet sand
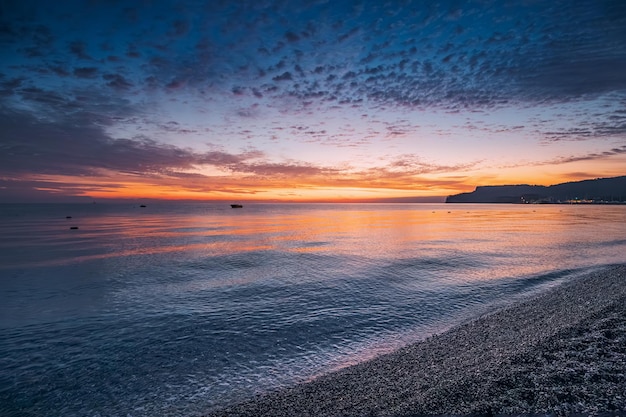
{"x": 560, "y": 353}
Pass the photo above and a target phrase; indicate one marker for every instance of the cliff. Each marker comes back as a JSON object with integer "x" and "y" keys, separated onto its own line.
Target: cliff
{"x": 600, "y": 190}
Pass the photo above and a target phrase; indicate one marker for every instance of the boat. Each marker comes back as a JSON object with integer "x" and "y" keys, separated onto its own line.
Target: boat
{"x": 236, "y": 206}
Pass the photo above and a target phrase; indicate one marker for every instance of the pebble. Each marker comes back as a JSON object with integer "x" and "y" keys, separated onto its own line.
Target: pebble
{"x": 560, "y": 353}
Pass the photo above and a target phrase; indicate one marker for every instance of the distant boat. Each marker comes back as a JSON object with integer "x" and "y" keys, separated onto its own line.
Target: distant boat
{"x": 143, "y": 205}
{"x": 236, "y": 206}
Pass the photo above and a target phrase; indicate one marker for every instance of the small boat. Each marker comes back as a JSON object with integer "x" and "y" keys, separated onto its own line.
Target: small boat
{"x": 142, "y": 206}
{"x": 236, "y": 206}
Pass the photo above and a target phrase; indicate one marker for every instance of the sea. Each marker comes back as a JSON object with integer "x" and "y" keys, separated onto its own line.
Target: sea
{"x": 177, "y": 309}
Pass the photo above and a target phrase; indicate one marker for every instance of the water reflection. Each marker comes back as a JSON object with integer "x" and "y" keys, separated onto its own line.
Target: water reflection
{"x": 380, "y": 231}
{"x": 212, "y": 304}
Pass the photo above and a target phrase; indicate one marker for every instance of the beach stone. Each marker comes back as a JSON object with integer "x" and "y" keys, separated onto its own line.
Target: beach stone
{"x": 560, "y": 353}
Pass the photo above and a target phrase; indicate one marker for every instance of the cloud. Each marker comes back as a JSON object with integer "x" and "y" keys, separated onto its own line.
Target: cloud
{"x": 584, "y": 125}
{"x": 475, "y": 54}
{"x": 589, "y": 157}
{"x": 175, "y": 84}
{"x": 39, "y": 39}
{"x": 291, "y": 37}
{"x": 9, "y": 87}
{"x": 132, "y": 52}
{"x": 117, "y": 81}
{"x": 59, "y": 70}
{"x": 76, "y": 146}
{"x": 285, "y": 76}
{"x": 44, "y": 97}
{"x": 180, "y": 28}
{"x": 86, "y": 72}
{"x": 415, "y": 56}
{"x": 78, "y": 49}
{"x": 238, "y": 64}
{"x": 290, "y": 169}
{"x": 33, "y": 190}
{"x": 566, "y": 78}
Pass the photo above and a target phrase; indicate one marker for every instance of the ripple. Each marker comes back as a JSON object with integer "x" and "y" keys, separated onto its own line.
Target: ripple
{"x": 179, "y": 311}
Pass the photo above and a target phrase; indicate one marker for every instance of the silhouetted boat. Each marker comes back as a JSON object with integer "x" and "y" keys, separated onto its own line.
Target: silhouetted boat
{"x": 236, "y": 206}
{"x": 143, "y": 205}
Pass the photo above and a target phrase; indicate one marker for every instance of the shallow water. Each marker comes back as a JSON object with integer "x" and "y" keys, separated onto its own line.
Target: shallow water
{"x": 176, "y": 309}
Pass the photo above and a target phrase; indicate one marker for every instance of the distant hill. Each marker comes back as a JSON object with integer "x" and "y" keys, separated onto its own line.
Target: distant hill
{"x": 600, "y": 190}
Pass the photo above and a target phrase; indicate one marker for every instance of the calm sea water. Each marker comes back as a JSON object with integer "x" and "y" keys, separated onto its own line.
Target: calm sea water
{"x": 178, "y": 309}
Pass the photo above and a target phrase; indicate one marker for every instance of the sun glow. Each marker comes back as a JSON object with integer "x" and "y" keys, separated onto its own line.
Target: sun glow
{"x": 355, "y": 185}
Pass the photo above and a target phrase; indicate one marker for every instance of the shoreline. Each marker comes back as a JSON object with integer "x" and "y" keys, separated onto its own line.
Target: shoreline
{"x": 561, "y": 352}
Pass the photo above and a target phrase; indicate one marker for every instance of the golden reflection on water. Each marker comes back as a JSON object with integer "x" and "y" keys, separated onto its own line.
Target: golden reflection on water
{"x": 375, "y": 231}
{"x": 272, "y": 291}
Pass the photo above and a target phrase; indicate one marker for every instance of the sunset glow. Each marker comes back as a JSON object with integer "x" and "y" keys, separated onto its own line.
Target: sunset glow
{"x": 307, "y": 101}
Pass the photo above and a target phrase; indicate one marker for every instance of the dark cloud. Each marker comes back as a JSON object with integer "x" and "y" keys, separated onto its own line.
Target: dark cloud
{"x": 248, "y": 112}
{"x": 175, "y": 84}
{"x": 76, "y": 146}
{"x": 59, "y": 70}
{"x": 473, "y": 55}
{"x": 285, "y": 76}
{"x": 9, "y": 87}
{"x": 47, "y": 98}
{"x": 411, "y": 54}
{"x": 586, "y": 157}
{"x": 180, "y": 28}
{"x": 36, "y": 191}
{"x": 117, "y": 81}
{"x": 79, "y": 50}
{"x": 132, "y": 52}
{"x": 295, "y": 58}
{"x": 585, "y": 126}
{"x": 86, "y": 72}
{"x": 40, "y": 40}
{"x": 176, "y": 127}
{"x": 291, "y": 37}
{"x": 288, "y": 169}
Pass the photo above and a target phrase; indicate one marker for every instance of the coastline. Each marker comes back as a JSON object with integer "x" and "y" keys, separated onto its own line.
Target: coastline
{"x": 562, "y": 352}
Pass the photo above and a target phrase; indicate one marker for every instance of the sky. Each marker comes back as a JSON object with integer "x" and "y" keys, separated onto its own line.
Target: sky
{"x": 307, "y": 100}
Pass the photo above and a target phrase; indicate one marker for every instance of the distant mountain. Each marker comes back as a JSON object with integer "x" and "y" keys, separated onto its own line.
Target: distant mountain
{"x": 600, "y": 190}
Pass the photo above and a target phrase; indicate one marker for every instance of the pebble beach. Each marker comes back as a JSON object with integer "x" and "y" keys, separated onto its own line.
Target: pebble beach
{"x": 562, "y": 352}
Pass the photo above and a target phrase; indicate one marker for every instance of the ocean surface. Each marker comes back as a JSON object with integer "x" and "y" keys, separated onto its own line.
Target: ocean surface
{"x": 176, "y": 309}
